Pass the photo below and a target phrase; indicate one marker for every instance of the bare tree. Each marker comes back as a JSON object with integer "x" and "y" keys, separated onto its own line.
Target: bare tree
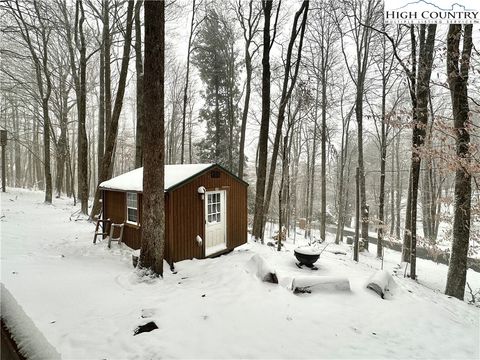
{"x": 289, "y": 80}
{"x": 323, "y": 35}
{"x": 257, "y": 231}
{"x": 36, "y": 38}
{"x": 249, "y": 24}
{"x": 366, "y": 14}
{"x": 139, "y": 74}
{"x": 420, "y": 120}
{"x": 193, "y": 30}
{"x": 458, "y": 65}
{"x": 76, "y": 42}
{"x": 112, "y": 126}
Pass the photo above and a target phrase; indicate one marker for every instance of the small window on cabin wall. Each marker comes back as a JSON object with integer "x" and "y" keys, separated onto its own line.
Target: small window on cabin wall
{"x": 132, "y": 208}
{"x": 213, "y": 211}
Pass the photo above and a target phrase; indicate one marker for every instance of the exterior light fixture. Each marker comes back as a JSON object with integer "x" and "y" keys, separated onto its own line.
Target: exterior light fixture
{"x": 201, "y": 190}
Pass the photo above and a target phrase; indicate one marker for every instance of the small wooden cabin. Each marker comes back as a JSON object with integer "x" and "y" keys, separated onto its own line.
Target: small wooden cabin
{"x": 205, "y": 209}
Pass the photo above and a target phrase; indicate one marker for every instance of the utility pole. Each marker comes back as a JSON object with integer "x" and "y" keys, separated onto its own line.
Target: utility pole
{"x": 357, "y": 215}
{"x": 3, "y": 143}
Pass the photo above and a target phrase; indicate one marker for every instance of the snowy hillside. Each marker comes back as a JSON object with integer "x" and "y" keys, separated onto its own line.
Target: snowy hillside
{"x": 87, "y": 300}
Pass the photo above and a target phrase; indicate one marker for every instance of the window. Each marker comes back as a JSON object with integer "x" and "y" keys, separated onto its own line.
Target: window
{"x": 132, "y": 208}
{"x": 213, "y": 204}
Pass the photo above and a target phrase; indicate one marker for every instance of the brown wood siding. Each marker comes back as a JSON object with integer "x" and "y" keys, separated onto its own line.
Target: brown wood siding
{"x": 184, "y": 215}
{"x": 116, "y": 210}
{"x": 187, "y": 218}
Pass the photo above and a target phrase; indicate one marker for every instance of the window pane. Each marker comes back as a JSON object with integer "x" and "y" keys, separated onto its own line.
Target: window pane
{"x": 132, "y": 200}
{"x": 132, "y": 215}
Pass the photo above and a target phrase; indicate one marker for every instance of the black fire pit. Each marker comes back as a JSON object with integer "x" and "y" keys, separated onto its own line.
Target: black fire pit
{"x": 307, "y": 256}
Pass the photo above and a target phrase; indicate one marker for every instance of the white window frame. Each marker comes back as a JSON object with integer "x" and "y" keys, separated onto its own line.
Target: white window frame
{"x": 131, "y": 207}
{"x": 217, "y": 213}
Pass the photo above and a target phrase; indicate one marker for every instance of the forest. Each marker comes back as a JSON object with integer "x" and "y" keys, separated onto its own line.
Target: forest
{"x": 339, "y": 121}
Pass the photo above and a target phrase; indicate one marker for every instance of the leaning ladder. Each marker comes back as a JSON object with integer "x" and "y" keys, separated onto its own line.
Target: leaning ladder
{"x": 104, "y": 232}
{"x": 112, "y": 231}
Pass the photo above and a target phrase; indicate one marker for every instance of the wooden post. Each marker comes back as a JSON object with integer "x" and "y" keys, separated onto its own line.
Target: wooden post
{"x": 357, "y": 215}
{"x": 3, "y": 143}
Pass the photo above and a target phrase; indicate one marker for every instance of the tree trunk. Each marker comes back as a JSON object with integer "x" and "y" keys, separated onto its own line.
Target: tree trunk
{"x": 249, "y": 30}
{"x": 289, "y": 81}
{"x": 46, "y": 151}
{"x": 257, "y": 231}
{"x": 101, "y": 110}
{"x": 107, "y": 62}
{"x": 18, "y": 156}
{"x": 153, "y": 215}
{"x": 323, "y": 212}
{"x": 383, "y": 161}
{"x": 341, "y": 187}
{"x": 383, "y": 158}
{"x": 107, "y": 162}
{"x": 139, "y": 73}
{"x": 458, "y": 83}
{"x": 398, "y": 186}
{"x": 62, "y": 139}
{"x": 81, "y": 87}
{"x": 312, "y": 162}
{"x": 248, "y": 68}
{"x": 392, "y": 189}
{"x": 419, "y": 130}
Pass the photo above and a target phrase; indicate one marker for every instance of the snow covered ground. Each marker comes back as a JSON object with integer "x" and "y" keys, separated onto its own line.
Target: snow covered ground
{"x": 87, "y": 300}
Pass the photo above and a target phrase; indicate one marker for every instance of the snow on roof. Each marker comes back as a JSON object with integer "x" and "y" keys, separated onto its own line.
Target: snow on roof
{"x": 174, "y": 174}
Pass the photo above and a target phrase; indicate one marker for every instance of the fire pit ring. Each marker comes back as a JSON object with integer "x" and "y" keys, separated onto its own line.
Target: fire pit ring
{"x": 307, "y": 256}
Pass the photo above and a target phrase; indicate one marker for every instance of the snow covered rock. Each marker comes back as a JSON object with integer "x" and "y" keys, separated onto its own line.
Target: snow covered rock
{"x": 259, "y": 267}
{"x": 380, "y": 282}
{"x": 308, "y": 284}
{"x": 30, "y": 341}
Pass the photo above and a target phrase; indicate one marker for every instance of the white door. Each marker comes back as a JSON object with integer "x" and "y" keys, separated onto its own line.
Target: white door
{"x": 215, "y": 222}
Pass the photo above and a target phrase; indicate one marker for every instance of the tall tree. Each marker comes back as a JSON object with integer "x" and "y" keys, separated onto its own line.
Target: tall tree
{"x": 385, "y": 69}
{"x": 76, "y": 42}
{"x": 112, "y": 123}
{"x": 289, "y": 81}
{"x": 36, "y": 38}
{"x": 257, "y": 231}
{"x": 139, "y": 74}
{"x": 366, "y": 14}
{"x": 215, "y": 57}
{"x": 458, "y": 65}
{"x": 342, "y": 203}
{"x": 249, "y": 24}
{"x": 153, "y": 215}
{"x": 323, "y": 35}
{"x": 193, "y": 30}
{"x": 420, "y": 120}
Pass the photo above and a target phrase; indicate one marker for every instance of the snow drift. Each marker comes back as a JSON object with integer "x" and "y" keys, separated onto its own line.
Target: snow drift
{"x": 381, "y": 282}
{"x": 308, "y": 284}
